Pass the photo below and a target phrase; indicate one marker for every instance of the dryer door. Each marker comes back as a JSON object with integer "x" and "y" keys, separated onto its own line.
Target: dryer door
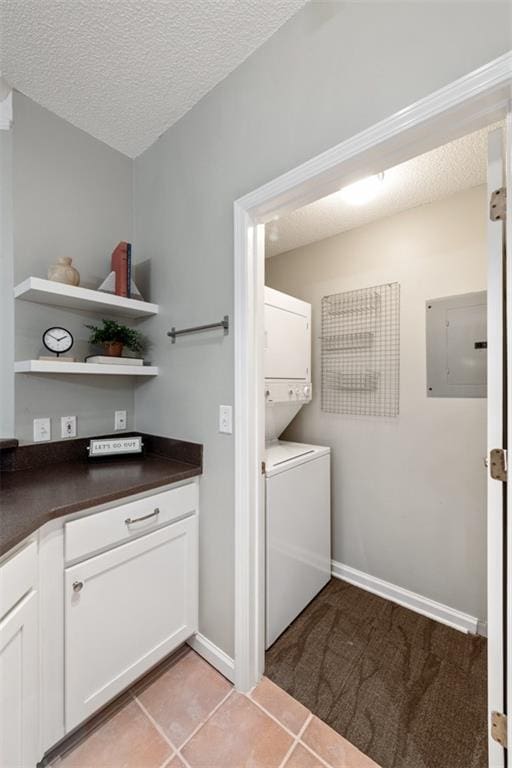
{"x": 286, "y": 344}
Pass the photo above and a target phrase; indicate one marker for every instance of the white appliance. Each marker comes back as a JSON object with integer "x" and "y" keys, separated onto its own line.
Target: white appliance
{"x": 298, "y": 510}
{"x": 298, "y": 530}
{"x": 287, "y": 360}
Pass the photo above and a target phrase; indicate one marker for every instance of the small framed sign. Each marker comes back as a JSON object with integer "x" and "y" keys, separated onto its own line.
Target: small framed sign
{"x": 115, "y": 446}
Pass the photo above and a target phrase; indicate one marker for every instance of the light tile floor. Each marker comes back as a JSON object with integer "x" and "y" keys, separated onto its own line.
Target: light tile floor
{"x": 187, "y": 715}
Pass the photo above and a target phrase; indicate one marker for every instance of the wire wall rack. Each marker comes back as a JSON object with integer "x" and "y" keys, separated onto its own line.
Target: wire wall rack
{"x": 360, "y": 345}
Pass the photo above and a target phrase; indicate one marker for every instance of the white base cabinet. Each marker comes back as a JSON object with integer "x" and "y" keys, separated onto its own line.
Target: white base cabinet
{"x": 87, "y": 606}
{"x": 19, "y": 685}
{"x": 125, "y": 609}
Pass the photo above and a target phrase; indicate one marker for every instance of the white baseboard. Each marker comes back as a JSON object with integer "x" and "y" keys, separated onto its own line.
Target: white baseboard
{"x": 411, "y": 600}
{"x": 482, "y": 628}
{"x": 213, "y": 655}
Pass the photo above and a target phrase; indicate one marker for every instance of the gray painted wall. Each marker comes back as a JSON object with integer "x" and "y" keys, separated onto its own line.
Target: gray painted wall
{"x": 72, "y": 196}
{"x": 408, "y": 493}
{"x": 331, "y": 71}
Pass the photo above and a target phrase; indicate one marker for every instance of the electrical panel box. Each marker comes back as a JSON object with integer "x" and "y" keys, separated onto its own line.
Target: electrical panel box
{"x": 457, "y": 346}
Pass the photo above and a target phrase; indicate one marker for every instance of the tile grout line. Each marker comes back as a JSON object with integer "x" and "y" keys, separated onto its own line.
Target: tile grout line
{"x": 177, "y": 751}
{"x": 155, "y": 724}
{"x": 298, "y": 737}
{"x": 177, "y": 656}
{"x": 317, "y": 756}
{"x": 203, "y": 722}
{"x": 312, "y": 752}
{"x": 296, "y": 741}
{"x": 168, "y": 760}
{"x": 288, "y": 753}
{"x": 183, "y": 760}
{"x": 272, "y": 717}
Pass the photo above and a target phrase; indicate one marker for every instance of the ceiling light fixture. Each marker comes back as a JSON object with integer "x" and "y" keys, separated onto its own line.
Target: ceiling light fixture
{"x": 363, "y": 191}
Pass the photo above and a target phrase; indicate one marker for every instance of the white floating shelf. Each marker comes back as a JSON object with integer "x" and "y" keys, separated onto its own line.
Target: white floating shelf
{"x": 73, "y": 297}
{"x": 50, "y": 366}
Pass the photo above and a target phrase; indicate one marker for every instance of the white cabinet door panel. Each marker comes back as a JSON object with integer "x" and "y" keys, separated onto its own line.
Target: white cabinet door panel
{"x": 19, "y": 686}
{"x": 138, "y": 602}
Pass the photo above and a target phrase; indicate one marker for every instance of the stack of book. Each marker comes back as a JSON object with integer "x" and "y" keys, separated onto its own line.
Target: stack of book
{"x": 111, "y": 360}
{"x": 120, "y": 281}
{"x": 121, "y": 266}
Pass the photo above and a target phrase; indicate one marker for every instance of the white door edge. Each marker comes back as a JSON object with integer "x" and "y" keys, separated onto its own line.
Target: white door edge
{"x": 495, "y": 416}
{"x": 508, "y": 586}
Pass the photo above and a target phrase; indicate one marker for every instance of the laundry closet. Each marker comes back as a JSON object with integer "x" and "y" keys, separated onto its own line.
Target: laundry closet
{"x": 393, "y": 271}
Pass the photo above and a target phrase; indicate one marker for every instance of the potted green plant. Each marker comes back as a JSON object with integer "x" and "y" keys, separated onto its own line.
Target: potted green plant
{"x": 114, "y": 337}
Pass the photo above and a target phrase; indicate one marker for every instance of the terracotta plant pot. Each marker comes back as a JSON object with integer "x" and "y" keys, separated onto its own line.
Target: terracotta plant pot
{"x": 113, "y": 348}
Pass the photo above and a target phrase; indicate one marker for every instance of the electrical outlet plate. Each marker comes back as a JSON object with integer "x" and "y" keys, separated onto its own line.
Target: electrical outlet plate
{"x": 120, "y": 420}
{"x": 226, "y": 419}
{"x": 42, "y": 430}
{"x": 68, "y": 426}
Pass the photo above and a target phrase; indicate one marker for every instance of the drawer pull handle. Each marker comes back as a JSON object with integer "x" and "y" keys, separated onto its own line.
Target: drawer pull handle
{"x": 130, "y": 520}
{"x": 77, "y": 586}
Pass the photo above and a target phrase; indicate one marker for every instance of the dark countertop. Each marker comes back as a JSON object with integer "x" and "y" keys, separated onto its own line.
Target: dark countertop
{"x": 32, "y": 496}
{"x": 8, "y": 443}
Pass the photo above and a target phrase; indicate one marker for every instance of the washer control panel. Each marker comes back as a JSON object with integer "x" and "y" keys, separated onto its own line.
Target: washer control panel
{"x": 287, "y": 391}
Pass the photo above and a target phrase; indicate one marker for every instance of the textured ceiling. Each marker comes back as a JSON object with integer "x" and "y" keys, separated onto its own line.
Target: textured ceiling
{"x": 125, "y": 70}
{"x": 432, "y": 176}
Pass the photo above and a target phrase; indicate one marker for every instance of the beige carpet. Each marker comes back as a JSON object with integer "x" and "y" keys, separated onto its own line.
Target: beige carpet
{"x": 406, "y": 690}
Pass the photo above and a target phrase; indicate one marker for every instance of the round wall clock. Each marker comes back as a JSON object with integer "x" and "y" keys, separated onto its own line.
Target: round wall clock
{"x": 57, "y": 340}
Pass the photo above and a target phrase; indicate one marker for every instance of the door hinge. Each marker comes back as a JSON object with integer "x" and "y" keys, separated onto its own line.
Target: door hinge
{"x": 499, "y": 728}
{"x": 263, "y": 467}
{"x": 498, "y": 206}
{"x": 498, "y": 464}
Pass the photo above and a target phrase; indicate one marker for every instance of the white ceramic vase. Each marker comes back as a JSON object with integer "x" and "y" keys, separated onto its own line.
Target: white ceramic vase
{"x": 64, "y": 272}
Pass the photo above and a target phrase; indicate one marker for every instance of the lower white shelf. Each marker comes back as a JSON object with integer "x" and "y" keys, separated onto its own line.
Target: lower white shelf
{"x": 50, "y": 366}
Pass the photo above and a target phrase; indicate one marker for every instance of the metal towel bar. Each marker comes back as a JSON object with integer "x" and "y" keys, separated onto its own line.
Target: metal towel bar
{"x": 223, "y": 324}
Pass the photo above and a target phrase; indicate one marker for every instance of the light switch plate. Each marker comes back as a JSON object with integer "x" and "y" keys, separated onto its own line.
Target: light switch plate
{"x": 42, "y": 430}
{"x": 120, "y": 420}
{"x": 226, "y": 419}
{"x": 67, "y": 426}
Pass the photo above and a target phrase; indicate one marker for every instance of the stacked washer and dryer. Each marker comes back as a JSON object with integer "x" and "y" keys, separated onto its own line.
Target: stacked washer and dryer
{"x": 298, "y": 506}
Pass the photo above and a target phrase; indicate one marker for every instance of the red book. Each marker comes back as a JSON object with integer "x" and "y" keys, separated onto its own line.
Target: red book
{"x": 119, "y": 265}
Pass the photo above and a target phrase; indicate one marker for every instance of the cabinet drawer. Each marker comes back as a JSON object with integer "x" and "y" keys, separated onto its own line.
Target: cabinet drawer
{"x": 17, "y": 576}
{"x": 119, "y": 524}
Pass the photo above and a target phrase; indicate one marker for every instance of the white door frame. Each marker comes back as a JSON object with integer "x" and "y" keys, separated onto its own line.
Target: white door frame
{"x": 465, "y": 105}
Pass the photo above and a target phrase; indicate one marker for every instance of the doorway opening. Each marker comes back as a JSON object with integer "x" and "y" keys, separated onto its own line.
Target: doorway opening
{"x": 468, "y": 105}
{"x": 390, "y": 649}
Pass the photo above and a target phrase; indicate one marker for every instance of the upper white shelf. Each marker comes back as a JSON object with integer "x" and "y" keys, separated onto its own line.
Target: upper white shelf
{"x": 59, "y": 295}
{"x": 56, "y": 366}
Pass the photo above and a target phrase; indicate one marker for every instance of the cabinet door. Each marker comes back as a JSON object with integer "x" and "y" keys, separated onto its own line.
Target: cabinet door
{"x": 19, "y": 686}
{"x": 124, "y": 611}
